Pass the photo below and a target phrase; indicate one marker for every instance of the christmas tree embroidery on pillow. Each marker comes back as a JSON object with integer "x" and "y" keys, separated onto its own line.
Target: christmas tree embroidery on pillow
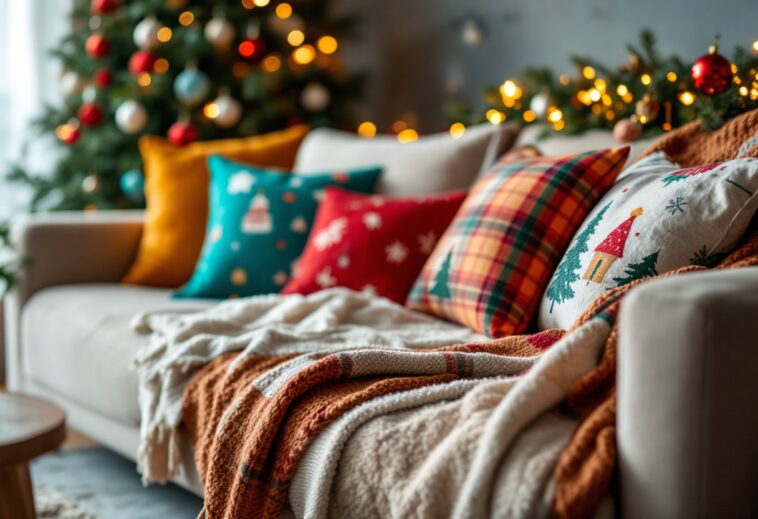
{"x": 610, "y": 249}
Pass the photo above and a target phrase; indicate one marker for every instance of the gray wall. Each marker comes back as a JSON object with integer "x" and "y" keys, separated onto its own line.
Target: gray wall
{"x": 414, "y": 50}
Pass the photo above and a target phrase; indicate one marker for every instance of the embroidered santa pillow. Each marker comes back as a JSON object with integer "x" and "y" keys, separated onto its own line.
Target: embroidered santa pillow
{"x": 656, "y": 218}
{"x": 373, "y": 243}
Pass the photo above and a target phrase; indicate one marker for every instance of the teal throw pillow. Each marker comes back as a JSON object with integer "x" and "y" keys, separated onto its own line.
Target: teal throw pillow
{"x": 258, "y": 225}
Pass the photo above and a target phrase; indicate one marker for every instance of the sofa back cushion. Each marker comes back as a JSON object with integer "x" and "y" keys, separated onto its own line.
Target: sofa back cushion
{"x": 432, "y": 164}
{"x": 489, "y": 269}
{"x": 658, "y": 217}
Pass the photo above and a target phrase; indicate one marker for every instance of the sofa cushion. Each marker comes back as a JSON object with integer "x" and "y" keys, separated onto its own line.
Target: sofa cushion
{"x": 78, "y": 343}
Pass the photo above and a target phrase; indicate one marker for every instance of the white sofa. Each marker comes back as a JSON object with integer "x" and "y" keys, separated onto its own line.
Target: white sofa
{"x": 688, "y": 351}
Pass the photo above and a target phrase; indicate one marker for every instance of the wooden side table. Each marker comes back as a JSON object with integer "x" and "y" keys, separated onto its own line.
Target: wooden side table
{"x": 28, "y": 427}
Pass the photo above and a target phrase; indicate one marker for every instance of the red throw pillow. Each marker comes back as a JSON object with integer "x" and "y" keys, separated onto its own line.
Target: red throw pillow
{"x": 371, "y": 243}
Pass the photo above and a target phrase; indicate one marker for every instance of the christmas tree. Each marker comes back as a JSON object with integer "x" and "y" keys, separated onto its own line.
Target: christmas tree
{"x": 560, "y": 289}
{"x": 442, "y": 278}
{"x": 643, "y": 269}
{"x": 188, "y": 69}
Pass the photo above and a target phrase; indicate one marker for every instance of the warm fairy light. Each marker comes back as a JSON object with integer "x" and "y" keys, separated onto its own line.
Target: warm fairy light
{"x": 161, "y": 65}
{"x": 559, "y": 125}
{"x": 327, "y": 44}
{"x": 457, "y": 130}
{"x": 734, "y": 69}
{"x": 597, "y": 109}
{"x": 407, "y": 135}
{"x": 261, "y": 3}
{"x": 304, "y": 55}
{"x": 645, "y": 79}
{"x": 595, "y": 95}
{"x": 743, "y": 90}
{"x": 509, "y": 89}
{"x": 529, "y": 116}
{"x": 607, "y": 101}
{"x": 367, "y": 129}
{"x": 628, "y": 97}
{"x": 64, "y": 131}
{"x": 755, "y": 45}
{"x": 610, "y": 115}
{"x": 144, "y": 80}
{"x": 671, "y": 76}
{"x": 271, "y": 63}
{"x": 736, "y": 79}
{"x": 622, "y": 90}
{"x": 666, "y": 127}
{"x": 495, "y": 116}
{"x": 248, "y": 4}
{"x": 584, "y": 97}
{"x": 211, "y": 110}
{"x": 600, "y": 84}
{"x": 283, "y": 10}
{"x": 686, "y": 98}
{"x": 186, "y": 18}
{"x": 753, "y": 94}
{"x": 554, "y": 115}
{"x": 246, "y": 48}
{"x": 564, "y": 79}
{"x": 164, "y": 34}
{"x": 588, "y": 72}
{"x": 296, "y": 37}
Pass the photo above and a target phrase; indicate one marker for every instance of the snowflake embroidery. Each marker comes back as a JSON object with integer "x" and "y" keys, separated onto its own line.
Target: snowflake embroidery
{"x": 372, "y": 220}
{"x": 319, "y": 194}
{"x": 343, "y": 261}
{"x": 296, "y": 181}
{"x": 299, "y": 225}
{"x": 324, "y": 279}
{"x": 426, "y": 242}
{"x": 280, "y": 278}
{"x": 396, "y": 252}
{"x": 235, "y": 245}
{"x": 215, "y": 234}
{"x": 241, "y": 182}
{"x": 676, "y": 205}
{"x": 331, "y": 234}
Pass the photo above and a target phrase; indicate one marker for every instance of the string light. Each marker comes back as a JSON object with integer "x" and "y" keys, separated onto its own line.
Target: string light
{"x": 734, "y": 69}
{"x": 271, "y": 63}
{"x": 246, "y": 48}
{"x": 564, "y": 79}
{"x": 755, "y": 45}
{"x": 554, "y": 115}
{"x": 144, "y": 80}
{"x": 304, "y": 55}
{"x": 64, "y": 131}
{"x": 296, "y": 37}
{"x": 261, "y": 3}
{"x": 495, "y": 116}
{"x": 186, "y": 18}
{"x": 211, "y": 110}
{"x": 687, "y": 98}
{"x": 327, "y": 44}
{"x": 559, "y": 125}
{"x": 367, "y": 130}
{"x": 248, "y": 4}
{"x": 622, "y": 90}
{"x": 457, "y": 130}
{"x": 743, "y": 90}
{"x": 407, "y": 135}
{"x": 671, "y": 76}
{"x": 588, "y": 72}
{"x": 283, "y": 10}
{"x": 161, "y": 66}
{"x": 645, "y": 79}
{"x": 600, "y": 84}
{"x": 529, "y": 116}
{"x": 509, "y": 89}
{"x": 164, "y": 34}
{"x": 595, "y": 95}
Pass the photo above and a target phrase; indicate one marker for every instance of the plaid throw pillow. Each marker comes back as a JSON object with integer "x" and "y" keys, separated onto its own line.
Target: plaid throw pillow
{"x": 489, "y": 269}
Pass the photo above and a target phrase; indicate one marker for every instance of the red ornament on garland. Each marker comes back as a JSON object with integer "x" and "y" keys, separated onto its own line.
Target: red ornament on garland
{"x": 103, "y": 78}
{"x": 90, "y": 114}
{"x": 97, "y": 46}
{"x": 103, "y": 6}
{"x": 182, "y": 133}
{"x": 141, "y": 62}
{"x": 712, "y": 72}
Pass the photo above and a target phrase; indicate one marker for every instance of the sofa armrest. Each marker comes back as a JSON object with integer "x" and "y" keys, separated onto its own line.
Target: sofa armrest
{"x": 75, "y": 247}
{"x": 687, "y": 393}
{"x": 64, "y": 248}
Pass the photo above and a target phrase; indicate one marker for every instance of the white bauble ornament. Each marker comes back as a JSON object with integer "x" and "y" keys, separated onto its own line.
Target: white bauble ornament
{"x": 472, "y": 33}
{"x": 72, "y": 84}
{"x": 90, "y": 184}
{"x": 540, "y": 104}
{"x": 220, "y": 33}
{"x": 229, "y": 111}
{"x": 315, "y": 97}
{"x": 191, "y": 86}
{"x": 146, "y": 33}
{"x": 131, "y": 116}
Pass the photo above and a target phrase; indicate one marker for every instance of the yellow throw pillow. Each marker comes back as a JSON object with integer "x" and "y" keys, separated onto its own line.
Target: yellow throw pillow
{"x": 176, "y": 189}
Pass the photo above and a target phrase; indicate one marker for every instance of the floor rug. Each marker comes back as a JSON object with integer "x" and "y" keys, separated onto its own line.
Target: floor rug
{"x": 98, "y": 484}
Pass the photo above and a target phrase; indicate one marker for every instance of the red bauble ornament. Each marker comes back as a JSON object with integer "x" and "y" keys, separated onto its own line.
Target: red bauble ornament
{"x": 103, "y": 6}
{"x": 103, "y": 78}
{"x": 142, "y": 61}
{"x": 252, "y": 49}
{"x": 69, "y": 132}
{"x": 712, "y": 72}
{"x": 181, "y": 133}
{"x": 97, "y": 45}
{"x": 90, "y": 114}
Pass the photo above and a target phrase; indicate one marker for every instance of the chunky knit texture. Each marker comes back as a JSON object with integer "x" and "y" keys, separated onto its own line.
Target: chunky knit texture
{"x": 691, "y": 146}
